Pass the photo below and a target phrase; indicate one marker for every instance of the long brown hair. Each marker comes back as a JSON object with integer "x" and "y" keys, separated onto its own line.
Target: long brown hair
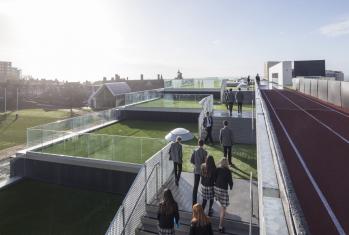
{"x": 199, "y": 218}
{"x": 208, "y": 168}
{"x": 168, "y": 204}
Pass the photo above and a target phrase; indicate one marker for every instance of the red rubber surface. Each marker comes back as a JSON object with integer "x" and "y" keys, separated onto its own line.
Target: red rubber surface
{"x": 325, "y": 154}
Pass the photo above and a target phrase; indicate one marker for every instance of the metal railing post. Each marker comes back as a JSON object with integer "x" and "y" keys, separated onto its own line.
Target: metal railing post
{"x": 161, "y": 168}
{"x": 123, "y": 220}
{"x": 251, "y": 204}
{"x": 146, "y": 183}
{"x": 157, "y": 181}
{"x": 252, "y": 115}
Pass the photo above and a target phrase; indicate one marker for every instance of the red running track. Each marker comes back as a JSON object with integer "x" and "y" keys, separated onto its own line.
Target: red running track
{"x": 314, "y": 140}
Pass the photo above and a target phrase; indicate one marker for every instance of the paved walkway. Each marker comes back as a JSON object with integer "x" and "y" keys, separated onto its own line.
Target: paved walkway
{"x": 240, "y": 203}
{"x": 220, "y": 113}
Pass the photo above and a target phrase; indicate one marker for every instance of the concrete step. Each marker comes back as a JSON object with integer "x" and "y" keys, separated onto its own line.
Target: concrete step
{"x": 231, "y": 226}
{"x": 150, "y": 226}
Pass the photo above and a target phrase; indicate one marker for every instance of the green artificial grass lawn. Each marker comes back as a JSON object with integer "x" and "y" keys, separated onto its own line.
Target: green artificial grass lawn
{"x": 31, "y": 207}
{"x": 166, "y": 103}
{"x": 183, "y": 104}
{"x": 13, "y": 132}
{"x": 128, "y": 149}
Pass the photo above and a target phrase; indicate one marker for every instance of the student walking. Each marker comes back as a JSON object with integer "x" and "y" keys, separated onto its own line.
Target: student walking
{"x": 197, "y": 158}
{"x": 239, "y": 97}
{"x": 167, "y": 214}
{"x": 176, "y": 155}
{"x": 226, "y": 138}
{"x": 207, "y": 124}
{"x": 200, "y": 223}
{"x": 258, "y": 79}
{"x": 226, "y": 98}
{"x": 231, "y": 101}
{"x": 223, "y": 179}
{"x": 208, "y": 170}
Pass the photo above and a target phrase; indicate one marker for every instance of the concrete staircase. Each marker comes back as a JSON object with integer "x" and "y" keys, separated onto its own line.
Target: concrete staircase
{"x": 149, "y": 224}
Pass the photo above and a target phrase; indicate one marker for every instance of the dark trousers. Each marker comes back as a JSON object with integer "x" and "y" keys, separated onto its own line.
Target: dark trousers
{"x": 195, "y": 189}
{"x": 230, "y": 107}
{"x": 177, "y": 170}
{"x": 204, "y": 202}
{"x": 240, "y": 107}
{"x": 209, "y": 135}
{"x": 227, "y": 153}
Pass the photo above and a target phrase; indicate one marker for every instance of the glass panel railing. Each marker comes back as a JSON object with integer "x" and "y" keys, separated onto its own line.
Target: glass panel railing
{"x": 194, "y": 83}
{"x": 169, "y": 100}
{"x": 97, "y": 146}
{"x": 141, "y": 96}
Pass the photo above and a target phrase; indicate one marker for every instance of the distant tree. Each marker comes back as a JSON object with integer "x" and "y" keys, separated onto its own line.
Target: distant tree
{"x": 104, "y": 79}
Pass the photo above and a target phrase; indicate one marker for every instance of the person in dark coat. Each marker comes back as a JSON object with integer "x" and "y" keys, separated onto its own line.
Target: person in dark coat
{"x": 207, "y": 124}
{"x": 226, "y": 98}
{"x": 239, "y": 98}
{"x": 176, "y": 155}
{"x": 197, "y": 158}
{"x": 207, "y": 182}
{"x": 223, "y": 179}
{"x": 258, "y": 79}
{"x": 231, "y": 101}
{"x": 200, "y": 223}
{"x": 248, "y": 80}
{"x": 167, "y": 214}
{"x": 226, "y": 138}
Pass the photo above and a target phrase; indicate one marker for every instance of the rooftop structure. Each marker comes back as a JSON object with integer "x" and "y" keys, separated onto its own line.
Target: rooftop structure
{"x": 7, "y": 72}
{"x": 109, "y": 95}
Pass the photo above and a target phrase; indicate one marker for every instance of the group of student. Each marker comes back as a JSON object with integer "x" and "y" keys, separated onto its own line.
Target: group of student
{"x": 230, "y": 98}
{"x": 215, "y": 182}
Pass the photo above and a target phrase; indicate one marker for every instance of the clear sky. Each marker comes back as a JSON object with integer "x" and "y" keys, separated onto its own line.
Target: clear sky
{"x": 88, "y": 39}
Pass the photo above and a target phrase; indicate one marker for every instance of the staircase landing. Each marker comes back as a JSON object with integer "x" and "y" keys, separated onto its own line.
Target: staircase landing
{"x": 239, "y": 208}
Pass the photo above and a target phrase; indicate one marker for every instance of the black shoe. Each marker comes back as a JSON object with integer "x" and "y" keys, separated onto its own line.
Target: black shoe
{"x": 221, "y": 230}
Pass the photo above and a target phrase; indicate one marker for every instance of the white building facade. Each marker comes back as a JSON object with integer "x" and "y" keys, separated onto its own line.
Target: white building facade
{"x": 281, "y": 73}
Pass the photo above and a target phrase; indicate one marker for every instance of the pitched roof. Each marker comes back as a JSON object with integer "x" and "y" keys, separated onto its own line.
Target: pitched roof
{"x": 116, "y": 88}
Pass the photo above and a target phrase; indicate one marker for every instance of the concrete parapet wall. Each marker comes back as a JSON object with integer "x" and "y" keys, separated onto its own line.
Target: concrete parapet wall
{"x": 322, "y": 90}
{"x": 242, "y": 128}
{"x": 314, "y": 88}
{"x": 273, "y": 219}
{"x": 248, "y": 96}
{"x": 345, "y": 94}
{"x": 334, "y": 92}
{"x": 75, "y": 172}
{"x": 307, "y": 89}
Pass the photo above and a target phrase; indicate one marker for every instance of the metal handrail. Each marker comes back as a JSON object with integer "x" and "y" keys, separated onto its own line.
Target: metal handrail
{"x": 251, "y": 209}
{"x": 144, "y": 188}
